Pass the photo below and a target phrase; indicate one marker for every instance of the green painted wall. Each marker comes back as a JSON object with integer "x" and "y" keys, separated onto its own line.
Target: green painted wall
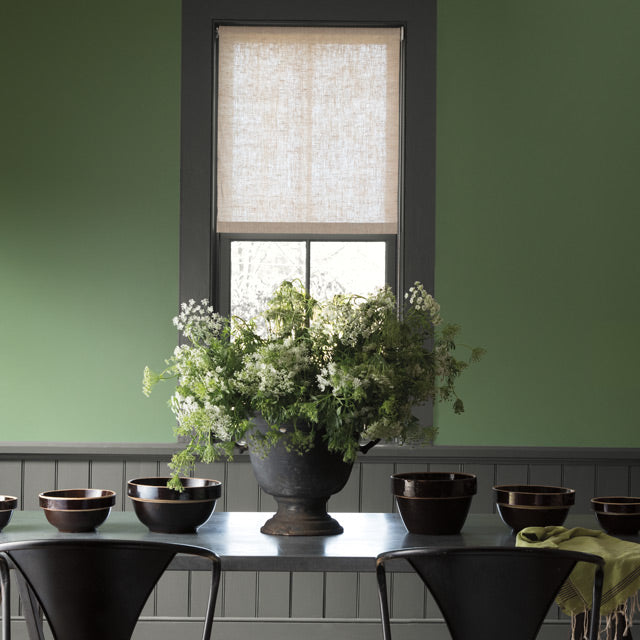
{"x": 89, "y": 188}
{"x": 538, "y": 151}
{"x": 537, "y": 217}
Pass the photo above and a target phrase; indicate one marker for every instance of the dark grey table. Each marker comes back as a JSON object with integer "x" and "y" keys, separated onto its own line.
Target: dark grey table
{"x": 236, "y": 538}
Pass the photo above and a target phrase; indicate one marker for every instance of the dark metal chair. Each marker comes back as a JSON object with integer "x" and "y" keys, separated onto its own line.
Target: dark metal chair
{"x": 95, "y": 589}
{"x": 497, "y": 593}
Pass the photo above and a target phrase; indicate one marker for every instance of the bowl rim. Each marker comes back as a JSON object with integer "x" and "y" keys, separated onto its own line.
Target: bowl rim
{"x": 153, "y": 488}
{"x": 616, "y": 505}
{"x": 522, "y": 488}
{"x": 77, "y": 511}
{"x": 532, "y": 507}
{"x": 51, "y": 494}
{"x": 520, "y": 495}
{"x": 169, "y": 501}
{"x": 433, "y": 485}
{"x": 8, "y": 502}
{"x": 54, "y": 499}
{"x": 431, "y": 476}
{"x": 141, "y": 481}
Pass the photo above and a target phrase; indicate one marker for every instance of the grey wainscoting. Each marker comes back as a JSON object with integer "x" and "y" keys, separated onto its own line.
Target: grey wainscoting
{"x": 289, "y": 605}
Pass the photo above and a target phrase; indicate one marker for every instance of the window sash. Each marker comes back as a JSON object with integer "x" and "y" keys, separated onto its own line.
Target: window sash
{"x": 223, "y": 268}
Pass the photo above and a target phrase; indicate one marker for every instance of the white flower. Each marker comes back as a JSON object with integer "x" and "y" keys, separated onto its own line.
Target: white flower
{"x": 423, "y": 301}
{"x": 322, "y": 379}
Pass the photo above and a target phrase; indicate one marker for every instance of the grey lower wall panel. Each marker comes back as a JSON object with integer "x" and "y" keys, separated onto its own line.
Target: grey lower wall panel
{"x": 285, "y": 605}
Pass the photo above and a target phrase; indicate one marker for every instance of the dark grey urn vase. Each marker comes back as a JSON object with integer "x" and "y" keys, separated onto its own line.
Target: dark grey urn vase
{"x": 301, "y": 485}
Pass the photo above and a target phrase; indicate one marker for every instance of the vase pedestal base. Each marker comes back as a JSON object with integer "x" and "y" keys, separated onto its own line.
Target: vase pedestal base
{"x": 300, "y": 517}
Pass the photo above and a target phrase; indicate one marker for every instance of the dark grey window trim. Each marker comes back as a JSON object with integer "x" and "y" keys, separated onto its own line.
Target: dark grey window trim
{"x": 199, "y": 250}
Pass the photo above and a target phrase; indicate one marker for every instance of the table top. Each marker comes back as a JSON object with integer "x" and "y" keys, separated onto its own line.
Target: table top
{"x": 236, "y": 538}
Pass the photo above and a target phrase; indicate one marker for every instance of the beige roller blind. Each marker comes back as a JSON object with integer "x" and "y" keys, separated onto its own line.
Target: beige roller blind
{"x": 308, "y": 130}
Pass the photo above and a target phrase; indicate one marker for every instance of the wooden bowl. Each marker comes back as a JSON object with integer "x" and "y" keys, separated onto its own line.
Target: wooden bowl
{"x": 532, "y": 505}
{"x": 7, "y": 505}
{"x": 433, "y": 502}
{"x": 77, "y": 510}
{"x": 618, "y": 515}
{"x": 165, "y": 510}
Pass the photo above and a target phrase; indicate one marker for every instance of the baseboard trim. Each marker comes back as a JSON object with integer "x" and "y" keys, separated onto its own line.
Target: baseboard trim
{"x": 292, "y": 629}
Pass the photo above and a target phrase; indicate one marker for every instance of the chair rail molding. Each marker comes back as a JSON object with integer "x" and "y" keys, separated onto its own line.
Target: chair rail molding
{"x": 379, "y": 453}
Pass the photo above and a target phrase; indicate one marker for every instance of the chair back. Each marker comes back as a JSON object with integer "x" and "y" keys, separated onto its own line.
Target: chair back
{"x": 97, "y": 588}
{"x": 497, "y": 593}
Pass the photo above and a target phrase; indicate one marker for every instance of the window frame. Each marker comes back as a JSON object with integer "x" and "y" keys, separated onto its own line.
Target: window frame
{"x": 200, "y": 246}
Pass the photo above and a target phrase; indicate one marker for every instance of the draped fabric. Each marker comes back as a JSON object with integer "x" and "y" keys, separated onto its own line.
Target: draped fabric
{"x": 621, "y": 571}
{"x": 308, "y": 130}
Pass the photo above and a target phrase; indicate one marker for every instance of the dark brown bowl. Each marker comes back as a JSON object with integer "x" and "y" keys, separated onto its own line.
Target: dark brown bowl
{"x": 619, "y": 524}
{"x": 618, "y": 515}
{"x": 7, "y": 505}
{"x": 433, "y": 502}
{"x": 165, "y": 510}
{"x": 177, "y": 516}
{"x": 520, "y": 517}
{"x": 78, "y": 521}
{"x": 77, "y": 510}
{"x": 533, "y": 505}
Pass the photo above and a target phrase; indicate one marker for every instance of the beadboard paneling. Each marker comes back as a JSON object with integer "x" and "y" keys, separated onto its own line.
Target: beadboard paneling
{"x": 289, "y": 605}
{"x": 582, "y": 478}
{"x": 483, "y": 501}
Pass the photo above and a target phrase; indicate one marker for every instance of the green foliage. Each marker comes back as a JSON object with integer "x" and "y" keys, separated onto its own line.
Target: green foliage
{"x": 350, "y": 369}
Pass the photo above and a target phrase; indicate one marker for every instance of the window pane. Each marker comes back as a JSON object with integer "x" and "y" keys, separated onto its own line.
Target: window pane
{"x": 257, "y": 268}
{"x": 346, "y": 267}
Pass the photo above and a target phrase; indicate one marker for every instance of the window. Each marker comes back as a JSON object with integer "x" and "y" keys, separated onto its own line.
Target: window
{"x": 307, "y": 147}
{"x": 226, "y": 244}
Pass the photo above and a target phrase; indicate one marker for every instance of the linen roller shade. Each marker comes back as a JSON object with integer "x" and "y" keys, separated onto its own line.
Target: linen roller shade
{"x": 308, "y": 130}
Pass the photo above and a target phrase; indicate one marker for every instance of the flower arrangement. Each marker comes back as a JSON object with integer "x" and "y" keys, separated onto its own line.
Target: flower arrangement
{"x": 351, "y": 369}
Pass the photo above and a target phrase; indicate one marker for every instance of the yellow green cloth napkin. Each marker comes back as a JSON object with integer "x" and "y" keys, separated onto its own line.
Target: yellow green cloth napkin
{"x": 621, "y": 570}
